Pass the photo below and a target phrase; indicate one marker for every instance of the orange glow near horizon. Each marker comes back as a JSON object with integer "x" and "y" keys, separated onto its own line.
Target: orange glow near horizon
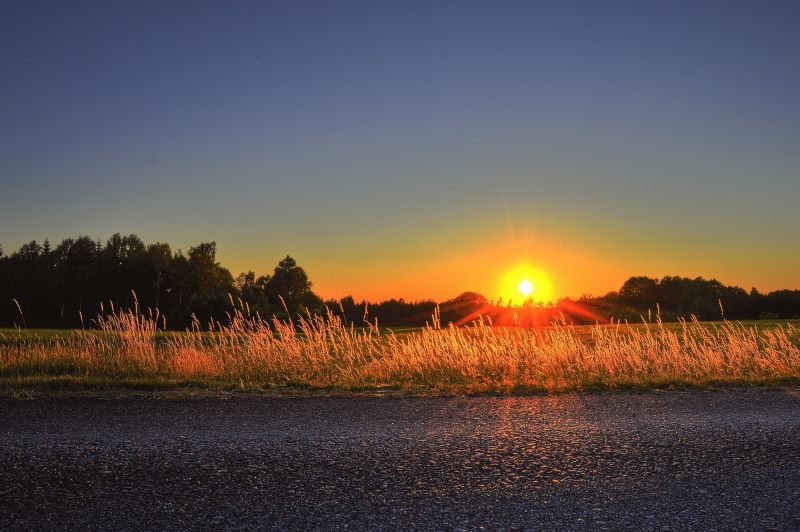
{"x": 490, "y": 261}
{"x": 417, "y": 265}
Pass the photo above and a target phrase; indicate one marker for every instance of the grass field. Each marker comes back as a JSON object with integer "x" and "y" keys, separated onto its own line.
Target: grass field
{"x": 11, "y": 336}
{"x": 128, "y": 351}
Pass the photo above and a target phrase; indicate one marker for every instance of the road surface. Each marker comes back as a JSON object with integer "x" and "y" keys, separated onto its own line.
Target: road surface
{"x": 669, "y": 460}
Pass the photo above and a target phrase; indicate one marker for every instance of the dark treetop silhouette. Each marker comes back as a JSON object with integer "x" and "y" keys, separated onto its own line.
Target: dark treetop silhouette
{"x": 65, "y": 286}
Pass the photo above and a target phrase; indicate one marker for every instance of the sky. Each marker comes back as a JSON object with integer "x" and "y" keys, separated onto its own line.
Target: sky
{"x": 413, "y": 149}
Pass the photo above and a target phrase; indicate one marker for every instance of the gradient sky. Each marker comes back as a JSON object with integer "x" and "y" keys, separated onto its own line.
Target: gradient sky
{"x": 413, "y": 149}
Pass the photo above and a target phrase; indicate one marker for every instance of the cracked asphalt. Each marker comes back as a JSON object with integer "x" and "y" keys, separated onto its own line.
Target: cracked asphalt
{"x": 668, "y": 460}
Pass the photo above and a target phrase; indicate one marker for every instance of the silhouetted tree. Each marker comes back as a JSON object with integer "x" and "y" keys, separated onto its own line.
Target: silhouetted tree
{"x": 208, "y": 283}
{"x": 289, "y": 286}
{"x": 253, "y": 291}
{"x": 640, "y": 292}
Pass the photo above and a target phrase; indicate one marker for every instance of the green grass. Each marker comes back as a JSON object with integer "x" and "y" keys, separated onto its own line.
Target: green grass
{"x": 10, "y": 336}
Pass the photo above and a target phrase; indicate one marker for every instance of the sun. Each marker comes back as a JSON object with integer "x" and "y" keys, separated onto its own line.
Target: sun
{"x": 525, "y": 287}
{"x": 525, "y": 283}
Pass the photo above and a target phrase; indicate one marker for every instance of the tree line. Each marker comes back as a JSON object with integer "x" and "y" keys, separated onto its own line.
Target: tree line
{"x": 67, "y": 285}
{"x": 708, "y": 299}
{"x": 64, "y": 286}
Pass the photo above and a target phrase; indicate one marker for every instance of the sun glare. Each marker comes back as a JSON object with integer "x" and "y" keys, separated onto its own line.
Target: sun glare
{"x": 526, "y": 283}
{"x": 525, "y": 287}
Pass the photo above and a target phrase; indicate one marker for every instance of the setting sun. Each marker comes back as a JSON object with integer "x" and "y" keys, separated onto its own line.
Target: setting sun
{"x": 525, "y": 283}
{"x": 525, "y": 287}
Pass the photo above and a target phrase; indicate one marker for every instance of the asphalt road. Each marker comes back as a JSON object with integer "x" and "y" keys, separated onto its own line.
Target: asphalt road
{"x": 704, "y": 460}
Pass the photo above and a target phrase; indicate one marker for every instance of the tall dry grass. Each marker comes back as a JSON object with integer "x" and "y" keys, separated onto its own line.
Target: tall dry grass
{"x": 324, "y": 352}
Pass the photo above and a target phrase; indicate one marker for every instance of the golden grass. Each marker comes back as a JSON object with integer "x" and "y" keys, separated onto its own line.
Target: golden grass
{"x": 323, "y": 352}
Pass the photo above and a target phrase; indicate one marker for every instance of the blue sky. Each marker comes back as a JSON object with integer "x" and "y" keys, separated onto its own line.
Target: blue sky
{"x": 413, "y": 149}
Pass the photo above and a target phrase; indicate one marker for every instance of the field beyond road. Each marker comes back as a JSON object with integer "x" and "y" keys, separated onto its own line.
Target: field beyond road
{"x": 680, "y": 460}
{"x": 322, "y": 353}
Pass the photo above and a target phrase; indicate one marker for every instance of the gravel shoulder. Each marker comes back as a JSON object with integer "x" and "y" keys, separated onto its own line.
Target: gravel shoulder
{"x": 675, "y": 460}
